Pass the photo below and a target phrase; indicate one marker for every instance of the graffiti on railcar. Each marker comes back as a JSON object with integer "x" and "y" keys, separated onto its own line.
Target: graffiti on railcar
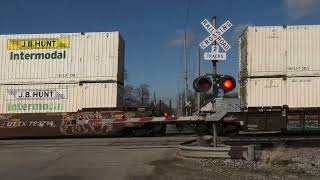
{"x": 85, "y": 124}
{"x": 59, "y": 124}
{"x": 4, "y": 119}
{"x": 303, "y": 122}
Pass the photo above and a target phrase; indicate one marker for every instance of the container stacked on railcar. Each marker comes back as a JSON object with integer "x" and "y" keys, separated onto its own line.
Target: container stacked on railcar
{"x": 280, "y": 77}
{"x": 280, "y": 65}
{"x": 65, "y": 72}
{"x": 49, "y": 81}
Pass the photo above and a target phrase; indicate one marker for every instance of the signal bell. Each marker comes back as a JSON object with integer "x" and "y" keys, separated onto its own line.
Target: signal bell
{"x": 227, "y": 83}
{"x": 202, "y": 84}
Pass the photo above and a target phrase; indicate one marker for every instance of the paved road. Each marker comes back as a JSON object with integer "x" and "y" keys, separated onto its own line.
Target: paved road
{"x": 111, "y": 158}
{"x": 94, "y": 159}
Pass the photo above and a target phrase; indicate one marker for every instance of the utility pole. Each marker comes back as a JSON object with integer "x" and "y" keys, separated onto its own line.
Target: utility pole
{"x": 160, "y": 106}
{"x": 186, "y": 71}
{"x": 177, "y": 110}
{"x": 154, "y": 99}
{"x": 181, "y": 104}
{"x": 214, "y": 63}
{"x": 214, "y": 84}
{"x": 198, "y": 74}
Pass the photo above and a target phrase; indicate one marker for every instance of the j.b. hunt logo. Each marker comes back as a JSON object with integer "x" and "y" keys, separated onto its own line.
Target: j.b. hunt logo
{"x": 47, "y": 43}
{"x": 28, "y": 96}
{"x": 47, "y": 94}
{"x": 41, "y": 43}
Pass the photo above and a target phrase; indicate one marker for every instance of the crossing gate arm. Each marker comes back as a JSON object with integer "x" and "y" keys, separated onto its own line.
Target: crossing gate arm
{"x": 157, "y": 119}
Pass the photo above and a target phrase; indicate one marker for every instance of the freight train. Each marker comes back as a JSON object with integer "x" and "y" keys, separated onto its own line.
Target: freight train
{"x": 63, "y": 84}
{"x": 80, "y": 93}
{"x": 279, "y": 79}
{"x": 67, "y": 85}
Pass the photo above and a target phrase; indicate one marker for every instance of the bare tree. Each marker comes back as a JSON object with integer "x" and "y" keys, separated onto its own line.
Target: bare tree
{"x": 129, "y": 96}
{"x": 143, "y": 94}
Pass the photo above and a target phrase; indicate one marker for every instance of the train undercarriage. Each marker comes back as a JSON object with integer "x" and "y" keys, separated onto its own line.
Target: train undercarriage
{"x": 230, "y": 119}
{"x": 226, "y": 114}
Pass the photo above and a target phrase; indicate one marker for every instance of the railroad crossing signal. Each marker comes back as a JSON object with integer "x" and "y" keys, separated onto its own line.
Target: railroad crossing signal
{"x": 215, "y": 35}
{"x": 227, "y": 83}
{"x": 188, "y": 104}
{"x": 204, "y": 83}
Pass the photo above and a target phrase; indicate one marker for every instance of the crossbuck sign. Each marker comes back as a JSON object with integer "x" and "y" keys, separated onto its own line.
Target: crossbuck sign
{"x": 215, "y": 35}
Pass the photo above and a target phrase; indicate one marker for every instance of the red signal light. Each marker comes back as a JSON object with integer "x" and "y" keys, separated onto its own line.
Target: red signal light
{"x": 227, "y": 83}
{"x": 202, "y": 84}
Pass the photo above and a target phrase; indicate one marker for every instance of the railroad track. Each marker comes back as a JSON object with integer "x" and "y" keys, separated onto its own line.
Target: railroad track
{"x": 173, "y": 141}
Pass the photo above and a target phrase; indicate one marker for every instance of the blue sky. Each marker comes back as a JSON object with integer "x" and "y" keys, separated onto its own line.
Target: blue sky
{"x": 153, "y": 29}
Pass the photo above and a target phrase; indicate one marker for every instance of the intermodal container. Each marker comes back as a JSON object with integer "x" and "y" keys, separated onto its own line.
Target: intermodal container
{"x": 61, "y": 58}
{"x": 52, "y": 98}
{"x": 295, "y": 92}
{"x": 291, "y": 51}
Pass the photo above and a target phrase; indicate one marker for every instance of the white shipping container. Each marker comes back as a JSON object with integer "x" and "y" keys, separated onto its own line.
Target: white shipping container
{"x": 97, "y": 95}
{"x": 47, "y": 98}
{"x": 280, "y": 50}
{"x": 61, "y": 58}
{"x": 296, "y": 92}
